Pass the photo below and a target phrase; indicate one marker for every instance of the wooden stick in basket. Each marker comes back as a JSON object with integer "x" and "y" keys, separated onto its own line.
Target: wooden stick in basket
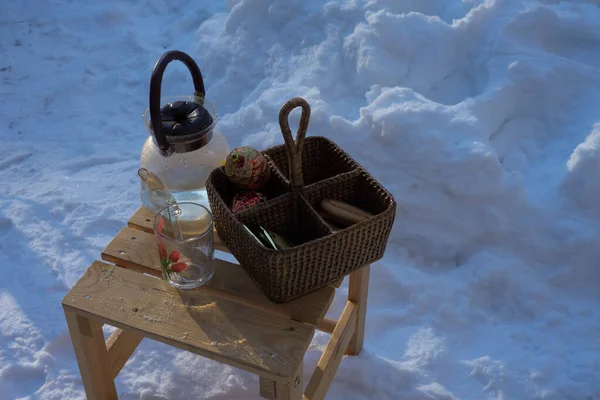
{"x": 344, "y": 211}
{"x": 294, "y": 148}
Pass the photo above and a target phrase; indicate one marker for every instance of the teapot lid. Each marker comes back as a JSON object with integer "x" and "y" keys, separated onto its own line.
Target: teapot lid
{"x": 183, "y": 118}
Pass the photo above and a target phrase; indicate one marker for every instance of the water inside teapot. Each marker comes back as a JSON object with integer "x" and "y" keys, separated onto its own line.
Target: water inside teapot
{"x": 183, "y": 174}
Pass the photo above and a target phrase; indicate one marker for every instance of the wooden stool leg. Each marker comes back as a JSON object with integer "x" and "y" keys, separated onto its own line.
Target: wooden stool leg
{"x": 358, "y": 289}
{"x": 90, "y": 349}
{"x": 291, "y": 390}
{"x": 120, "y": 346}
{"x": 267, "y": 388}
{"x": 272, "y": 390}
{"x": 330, "y": 360}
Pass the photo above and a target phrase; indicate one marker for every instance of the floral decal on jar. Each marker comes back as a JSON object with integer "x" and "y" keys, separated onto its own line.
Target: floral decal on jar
{"x": 171, "y": 262}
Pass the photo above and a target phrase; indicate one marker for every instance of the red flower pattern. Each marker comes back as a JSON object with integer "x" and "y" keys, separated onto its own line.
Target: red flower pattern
{"x": 178, "y": 267}
{"x": 162, "y": 253}
{"x": 173, "y": 256}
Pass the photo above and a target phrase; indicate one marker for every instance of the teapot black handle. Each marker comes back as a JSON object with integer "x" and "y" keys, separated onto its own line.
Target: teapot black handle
{"x": 155, "y": 86}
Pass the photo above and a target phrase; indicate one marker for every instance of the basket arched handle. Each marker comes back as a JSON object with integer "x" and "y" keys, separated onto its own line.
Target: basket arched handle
{"x": 294, "y": 147}
{"x": 155, "y": 87}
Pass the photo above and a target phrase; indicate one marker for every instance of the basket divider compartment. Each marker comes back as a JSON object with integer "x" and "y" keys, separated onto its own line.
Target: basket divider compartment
{"x": 357, "y": 189}
{"x": 276, "y": 187}
{"x": 290, "y": 216}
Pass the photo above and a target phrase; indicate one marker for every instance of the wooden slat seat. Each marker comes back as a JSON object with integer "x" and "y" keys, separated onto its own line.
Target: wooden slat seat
{"x": 229, "y": 319}
{"x": 194, "y": 320}
{"x": 136, "y": 250}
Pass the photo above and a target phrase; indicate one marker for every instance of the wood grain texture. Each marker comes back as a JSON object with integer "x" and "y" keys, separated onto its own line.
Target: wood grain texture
{"x": 332, "y": 356}
{"x": 272, "y": 390}
{"x": 194, "y": 320}
{"x": 142, "y": 220}
{"x": 137, "y": 250}
{"x": 266, "y": 388}
{"x": 290, "y": 390}
{"x": 327, "y": 325}
{"x": 90, "y": 350}
{"x": 120, "y": 346}
{"x": 358, "y": 291}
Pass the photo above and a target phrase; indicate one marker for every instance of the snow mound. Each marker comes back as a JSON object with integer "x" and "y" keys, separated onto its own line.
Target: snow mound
{"x": 581, "y": 183}
{"x": 480, "y": 116}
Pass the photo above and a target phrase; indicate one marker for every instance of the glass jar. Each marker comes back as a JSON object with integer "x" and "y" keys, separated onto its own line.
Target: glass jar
{"x": 185, "y": 240}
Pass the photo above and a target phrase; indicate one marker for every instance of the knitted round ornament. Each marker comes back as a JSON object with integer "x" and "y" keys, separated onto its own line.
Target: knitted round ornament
{"x": 247, "y": 168}
{"x": 244, "y": 200}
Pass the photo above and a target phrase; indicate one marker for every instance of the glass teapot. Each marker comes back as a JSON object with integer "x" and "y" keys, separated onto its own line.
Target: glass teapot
{"x": 183, "y": 146}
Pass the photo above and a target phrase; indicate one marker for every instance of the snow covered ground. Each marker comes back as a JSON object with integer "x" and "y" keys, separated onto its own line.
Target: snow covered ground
{"x": 482, "y": 117}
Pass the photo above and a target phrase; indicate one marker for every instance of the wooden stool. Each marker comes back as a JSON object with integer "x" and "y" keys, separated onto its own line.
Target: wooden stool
{"x": 229, "y": 319}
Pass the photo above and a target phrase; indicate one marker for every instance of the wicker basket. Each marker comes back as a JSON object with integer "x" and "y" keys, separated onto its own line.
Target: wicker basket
{"x": 324, "y": 254}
